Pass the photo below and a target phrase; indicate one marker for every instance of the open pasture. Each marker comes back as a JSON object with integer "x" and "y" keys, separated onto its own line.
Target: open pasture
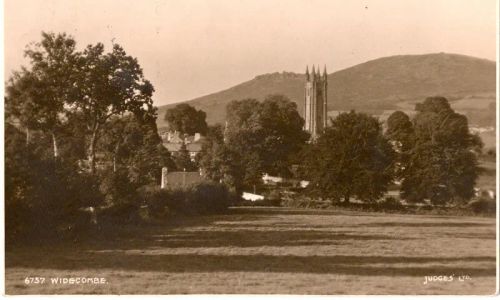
{"x": 272, "y": 250}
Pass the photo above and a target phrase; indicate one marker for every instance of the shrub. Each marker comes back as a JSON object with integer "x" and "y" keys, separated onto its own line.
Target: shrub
{"x": 274, "y": 198}
{"x": 265, "y": 202}
{"x": 483, "y": 205}
{"x": 208, "y": 197}
{"x": 301, "y": 201}
{"x": 118, "y": 189}
{"x": 390, "y": 203}
{"x": 202, "y": 198}
{"x": 44, "y": 195}
{"x": 155, "y": 198}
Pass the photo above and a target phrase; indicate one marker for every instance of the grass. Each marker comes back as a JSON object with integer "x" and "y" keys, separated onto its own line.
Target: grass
{"x": 271, "y": 250}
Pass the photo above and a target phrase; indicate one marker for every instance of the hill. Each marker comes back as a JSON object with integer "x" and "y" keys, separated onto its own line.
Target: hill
{"x": 379, "y": 85}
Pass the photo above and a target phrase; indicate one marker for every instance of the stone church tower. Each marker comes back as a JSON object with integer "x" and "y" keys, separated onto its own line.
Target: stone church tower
{"x": 315, "y": 112}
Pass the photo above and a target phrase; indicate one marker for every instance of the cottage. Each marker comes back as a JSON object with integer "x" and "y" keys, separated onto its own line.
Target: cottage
{"x": 173, "y": 142}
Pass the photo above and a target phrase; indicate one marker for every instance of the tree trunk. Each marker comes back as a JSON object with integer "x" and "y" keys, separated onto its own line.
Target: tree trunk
{"x": 28, "y": 136}
{"x": 93, "y": 141}
{"x": 346, "y": 198}
{"x": 115, "y": 154}
{"x": 54, "y": 142}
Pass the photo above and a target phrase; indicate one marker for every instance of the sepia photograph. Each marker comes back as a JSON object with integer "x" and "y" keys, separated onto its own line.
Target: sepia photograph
{"x": 250, "y": 147}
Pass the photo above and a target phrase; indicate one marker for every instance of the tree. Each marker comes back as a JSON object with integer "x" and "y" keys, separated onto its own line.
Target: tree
{"x": 259, "y": 137}
{"x": 440, "y": 174}
{"x": 264, "y": 136}
{"x": 182, "y": 160}
{"x": 244, "y": 138}
{"x": 442, "y": 165}
{"x": 133, "y": 146}
{"x": 400, "y": 130}
{"x": 109, "y": 84}
{"x": 351, "y": 158}
{"x": 402, "y": 136}
{"x": 283, "y": 134}
{"x": 36, "y": 97}
{"x": 219, "y": 162}
{"x": 186, "y": 119}
{"x": 41, "y": 193}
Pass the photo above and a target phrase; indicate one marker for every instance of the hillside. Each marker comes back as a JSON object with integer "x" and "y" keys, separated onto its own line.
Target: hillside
{"x": 388, "y": 83}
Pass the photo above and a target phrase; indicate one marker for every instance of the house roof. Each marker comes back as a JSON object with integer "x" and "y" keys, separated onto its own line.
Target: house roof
{"x": 194, "y": 147}
{"x": 172, "y": 147}
{"x": 175, "y": 147}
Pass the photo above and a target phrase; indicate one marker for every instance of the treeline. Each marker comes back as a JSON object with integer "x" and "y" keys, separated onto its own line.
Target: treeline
{"x": 80, "y": 131}
{"x": 431, "y": 157}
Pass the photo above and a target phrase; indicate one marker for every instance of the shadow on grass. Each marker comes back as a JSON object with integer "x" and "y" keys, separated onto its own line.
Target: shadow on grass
{"x": 258, "y": 238}
{"x": 342, "y": 265}
{"x": 424, "y": 224}
{"x": 112, "y": 253}
{"x": 296, "y": 211}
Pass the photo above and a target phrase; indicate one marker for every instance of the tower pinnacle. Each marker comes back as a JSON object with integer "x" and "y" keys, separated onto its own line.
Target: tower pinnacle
{"x": 315, "y": 104}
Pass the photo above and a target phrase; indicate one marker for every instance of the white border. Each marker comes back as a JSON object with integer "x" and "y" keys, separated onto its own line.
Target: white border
{"x": 189, "y": 297}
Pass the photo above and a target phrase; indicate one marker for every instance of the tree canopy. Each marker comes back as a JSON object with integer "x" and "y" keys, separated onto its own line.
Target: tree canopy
{"x": 186, "y": 119}
{"x": 351, "y": 158}
{"x": 259, "y": 137}
{"x": 36, "y": 97}
{"x": 438, "y": 158}
{"x": 92, "y": 85}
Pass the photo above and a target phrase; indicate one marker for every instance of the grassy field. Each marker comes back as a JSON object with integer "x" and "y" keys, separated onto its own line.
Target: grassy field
{"x": 272, "y": 250}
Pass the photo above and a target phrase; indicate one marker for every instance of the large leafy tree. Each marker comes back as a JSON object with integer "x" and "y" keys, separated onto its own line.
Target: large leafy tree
{"x": 272, "y": 130}
{"x": 352, "y": 158}
{"x": 244, "y": 137}
{"x": 259, "y": 137}
{"x": 442, "y": 164}
{"x": 133, "y": 146}
{"x": 218, "y": 161}
{"x": 402, "y": 136}
{"x": 36, "y": 97}
{"x": 186, "y": 119}
{"x": 110, "y": 84}
{"x": 283, "y": 132}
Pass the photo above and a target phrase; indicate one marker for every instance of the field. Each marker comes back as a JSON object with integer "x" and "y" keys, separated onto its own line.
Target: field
{"x": 272, "y": 250}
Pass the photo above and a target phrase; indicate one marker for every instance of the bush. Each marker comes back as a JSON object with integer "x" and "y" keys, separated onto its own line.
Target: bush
{"x": 390, "y": 203}
{"x": 156, "y": 200}
{"x": 274, "y": 198}
{"x": 301, "y": 201}
{"x": 483, "y": 205}
{"x": 206, "y": 198}
{"x": 44, "y": 195}
{"x": 265, "y": 202}
{"x": 202, "y": 198}
{"x": 118, "y": 189}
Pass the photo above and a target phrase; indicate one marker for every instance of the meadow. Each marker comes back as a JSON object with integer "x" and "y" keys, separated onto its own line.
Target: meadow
{"x": 271, "y": 251}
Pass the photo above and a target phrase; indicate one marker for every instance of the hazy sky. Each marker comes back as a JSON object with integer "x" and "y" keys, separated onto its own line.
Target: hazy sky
{"x": 194, "y": 47}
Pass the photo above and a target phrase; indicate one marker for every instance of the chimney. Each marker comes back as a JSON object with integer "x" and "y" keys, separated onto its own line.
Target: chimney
{"x": 164, "y": 172}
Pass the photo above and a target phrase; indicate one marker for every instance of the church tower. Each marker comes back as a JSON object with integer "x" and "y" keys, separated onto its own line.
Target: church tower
{"x": 315, "y": 111}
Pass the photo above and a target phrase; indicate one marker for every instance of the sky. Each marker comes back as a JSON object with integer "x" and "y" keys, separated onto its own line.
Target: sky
{"x": 191, "y": 48}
